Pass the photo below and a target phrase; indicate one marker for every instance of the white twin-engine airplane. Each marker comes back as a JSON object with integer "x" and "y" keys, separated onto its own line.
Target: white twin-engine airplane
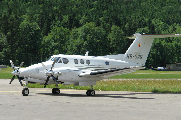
{"x": 86, "y": 70}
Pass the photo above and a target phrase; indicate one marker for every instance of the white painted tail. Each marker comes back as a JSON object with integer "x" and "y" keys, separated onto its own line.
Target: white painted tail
{"x": 140, "y": 48}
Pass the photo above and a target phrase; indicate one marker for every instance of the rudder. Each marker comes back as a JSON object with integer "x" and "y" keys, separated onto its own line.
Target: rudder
{"x": 140, "y": 48}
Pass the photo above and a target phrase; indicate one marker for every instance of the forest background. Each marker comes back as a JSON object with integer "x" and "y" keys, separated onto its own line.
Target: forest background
{"x": 33, "y": 30}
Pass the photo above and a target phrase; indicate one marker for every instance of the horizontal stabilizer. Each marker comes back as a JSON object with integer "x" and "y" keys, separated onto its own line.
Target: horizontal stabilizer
{"x": 155, "y": 35}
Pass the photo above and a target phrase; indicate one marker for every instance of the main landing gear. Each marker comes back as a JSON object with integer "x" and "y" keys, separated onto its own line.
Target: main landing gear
{"x": 56, "y": 90}
{"x": 90, "y": 92}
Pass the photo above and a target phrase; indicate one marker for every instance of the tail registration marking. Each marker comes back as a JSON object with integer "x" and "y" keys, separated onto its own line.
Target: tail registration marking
{"x": 136, "y": 56}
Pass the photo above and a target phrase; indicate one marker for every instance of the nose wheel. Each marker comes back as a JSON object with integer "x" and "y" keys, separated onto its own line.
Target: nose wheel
{"x": 25, "y": 91}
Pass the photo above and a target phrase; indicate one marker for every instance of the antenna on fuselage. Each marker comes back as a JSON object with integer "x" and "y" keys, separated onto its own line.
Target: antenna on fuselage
{"x": 86, "y": 54}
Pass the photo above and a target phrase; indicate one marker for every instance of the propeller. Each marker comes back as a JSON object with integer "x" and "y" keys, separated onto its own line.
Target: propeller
{"x": 16, "y": 72}
{"x": 50, "y": 73}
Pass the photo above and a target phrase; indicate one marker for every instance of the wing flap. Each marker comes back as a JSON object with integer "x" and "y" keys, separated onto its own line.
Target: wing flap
{"x": 109, "y": 72}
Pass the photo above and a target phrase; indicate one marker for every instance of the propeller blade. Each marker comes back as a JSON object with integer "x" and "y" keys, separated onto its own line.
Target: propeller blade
{"x": 12, "y": 65}
{"x": 46, "y": 81}
{"x": 16, "y": 72}
{"x": 12, "y": 79}
{"x": 21, "y": 64}
{"x": 50, "y": 72}
{"x": 53, "y": 63}
{"x": 19, "y": 80}
{"x": 44, "y": 66}
{"x": 54, "y": 79}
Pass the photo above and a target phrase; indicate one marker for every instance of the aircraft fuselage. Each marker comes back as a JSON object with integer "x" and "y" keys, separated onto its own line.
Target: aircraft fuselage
{"x": 68, "y": 68}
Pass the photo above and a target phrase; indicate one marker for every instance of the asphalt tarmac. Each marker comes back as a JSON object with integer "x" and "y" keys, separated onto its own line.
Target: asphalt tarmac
{"x": 41, "y": 104}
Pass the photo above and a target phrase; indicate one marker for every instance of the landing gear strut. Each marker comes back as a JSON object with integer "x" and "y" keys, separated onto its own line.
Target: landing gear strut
{"x": 25, "y": 90}
{"x": 90, "y": 92}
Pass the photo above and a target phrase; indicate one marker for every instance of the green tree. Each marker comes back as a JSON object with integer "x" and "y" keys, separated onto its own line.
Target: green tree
{"x": 29, "y": 43}
{"x": 56, "y": 42}
{"x": 89, "y": 38}
{"x": 3, "y": 49}
{"x": 117, "y": 41}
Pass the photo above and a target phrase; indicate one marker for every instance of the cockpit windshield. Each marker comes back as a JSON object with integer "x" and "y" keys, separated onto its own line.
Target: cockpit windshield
{"x": 56, "y": 58}
{"x": 53, "y": 58}
{"x": 49, "y": 59}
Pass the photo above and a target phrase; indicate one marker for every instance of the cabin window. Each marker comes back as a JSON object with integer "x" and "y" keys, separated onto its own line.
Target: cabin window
{"x": 88, "y": 62}
{"x": 76, "y": 61}
{"x": 65, "y": 60}
{"x": 81, "y": 61}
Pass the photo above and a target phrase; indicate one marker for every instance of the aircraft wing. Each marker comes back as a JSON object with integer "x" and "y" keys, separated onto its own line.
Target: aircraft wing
{"x": 109, "y": 72}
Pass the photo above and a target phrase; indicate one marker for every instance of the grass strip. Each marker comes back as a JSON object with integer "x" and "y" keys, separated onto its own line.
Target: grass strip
{"x": 147, "y": 76}
{"x": 157, "y": 86}
{"x": 6, "y": 75}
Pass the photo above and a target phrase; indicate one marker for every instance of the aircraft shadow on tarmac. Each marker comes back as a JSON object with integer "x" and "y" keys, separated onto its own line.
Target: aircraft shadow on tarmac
{"x": 97, "y": 95}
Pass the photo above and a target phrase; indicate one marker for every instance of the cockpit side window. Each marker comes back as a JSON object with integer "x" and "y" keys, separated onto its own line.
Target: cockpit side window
{"x": 76, "y": 61}
{"x": 65, "y": 60}
{"x": 60, "y": 61}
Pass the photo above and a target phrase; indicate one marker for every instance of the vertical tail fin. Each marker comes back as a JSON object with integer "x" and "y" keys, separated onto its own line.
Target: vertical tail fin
{"x": 140, "y": 48}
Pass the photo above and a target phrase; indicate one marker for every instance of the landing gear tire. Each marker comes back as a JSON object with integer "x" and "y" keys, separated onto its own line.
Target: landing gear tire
{"x": 55, "y": 91}
{"x": 90, "y": 92}
{"x": 25, "y": 91}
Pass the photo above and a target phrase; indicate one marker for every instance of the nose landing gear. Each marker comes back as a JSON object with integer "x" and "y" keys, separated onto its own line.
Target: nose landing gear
{"x": 25, "y": 91}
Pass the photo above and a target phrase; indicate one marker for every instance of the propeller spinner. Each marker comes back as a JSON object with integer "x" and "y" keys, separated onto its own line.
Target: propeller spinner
{"x": 16, "y": 72}
{"x": 50, "y": 73}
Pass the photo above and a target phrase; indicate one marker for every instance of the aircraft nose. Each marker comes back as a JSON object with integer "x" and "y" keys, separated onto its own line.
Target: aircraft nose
{"x": 31, "y": 70}
{"x": 23, "y": 72}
